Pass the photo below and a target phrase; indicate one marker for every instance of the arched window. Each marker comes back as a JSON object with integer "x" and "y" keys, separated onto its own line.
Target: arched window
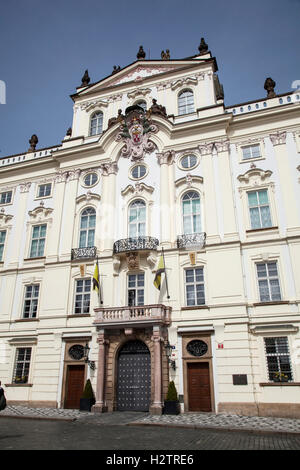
{"x": 142, "y": 104}
{"x": 87, "y": 228}
{"x": 191, "y": 213}
{"x": 137, "y": 219}
{"x": 186, "y": 102}
{"x": 96, "y": 123}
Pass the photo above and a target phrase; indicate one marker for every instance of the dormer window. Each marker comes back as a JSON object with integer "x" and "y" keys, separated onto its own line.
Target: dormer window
{"x": 186, "y": 102}
{"x": 96, "y": 123}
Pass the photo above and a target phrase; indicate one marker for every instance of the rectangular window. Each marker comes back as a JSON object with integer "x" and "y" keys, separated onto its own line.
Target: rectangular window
{"x": 278, "y": 359}
{"x": 251, "y": 151}
{"x": 268, "y": 282}
{"x": 44, "y": 190}
{"x": 259, "y": 208}
{"x": 136, "y": 284}
{"x": 194, "y": 286}
{"x": 31, "y": 301}
{"x": 82, "y": 296}
{"x": 5, "y": 198}
{"x": 2, "y": 241}
{"x": 22, "y": 366}
{"x": 38, "y": 241}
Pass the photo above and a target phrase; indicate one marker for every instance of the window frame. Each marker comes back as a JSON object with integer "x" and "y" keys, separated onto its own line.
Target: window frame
{"x": 259, "y": 206}
{"x": 90, "y": 174}
{"x": 271, "y": 374}
{"x": 33, "y": 301}
{"x": 5, "y": 202}
{"x": 131, "y": 170}
{"x": 84, "y": 310}
{"x": 194, "y": 283}
{"x": 2, "y": 244}
{"x": 192, "y": 214}
{"x": 268, "y": 278}
{"x": 43, "y": 196}
{"x": 26, "y": 365}
{"x": 98, "y": 128}
{"x": 136, "y": 288}
{"x": 189, "y": 167}
{"x": 39, "y": 254}
{"x": 87, "y": 229}
{"x": 184, "y": 109}
{"x": 138, "y": 232}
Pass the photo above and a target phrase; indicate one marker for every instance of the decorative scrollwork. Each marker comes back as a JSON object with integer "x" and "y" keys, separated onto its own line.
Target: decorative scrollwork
{"x": 76, "y": 352}
{"x": 87, "y": 252}
{"x": 192, "y": 240}
{"x": 135, "y": 244}
{"x": 197, "y": 347}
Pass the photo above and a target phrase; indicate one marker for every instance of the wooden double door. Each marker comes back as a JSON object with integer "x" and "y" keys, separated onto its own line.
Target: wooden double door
{"x": 199, "y": 390}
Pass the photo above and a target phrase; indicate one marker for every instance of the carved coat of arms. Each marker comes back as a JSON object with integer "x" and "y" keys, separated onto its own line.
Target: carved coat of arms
{"x": 135, "y": 132}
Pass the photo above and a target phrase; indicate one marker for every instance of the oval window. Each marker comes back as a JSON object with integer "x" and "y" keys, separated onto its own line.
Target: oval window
{"x": 90, "y": 179}
{"x": 197, "y": 348}
{"x": 188, "y": 161}
{"x": 138, "y": 172}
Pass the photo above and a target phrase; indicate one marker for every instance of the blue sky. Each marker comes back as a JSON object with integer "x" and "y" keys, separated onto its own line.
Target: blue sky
{"x": 45, "y": 47}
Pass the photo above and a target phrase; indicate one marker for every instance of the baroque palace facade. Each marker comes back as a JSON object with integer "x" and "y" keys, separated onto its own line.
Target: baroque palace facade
{"x": 155, "y": 162}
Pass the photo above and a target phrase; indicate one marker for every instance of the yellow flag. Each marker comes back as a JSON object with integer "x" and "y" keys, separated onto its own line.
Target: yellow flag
{"x": 160, "y": 270}
{"x": 96, "y": 282}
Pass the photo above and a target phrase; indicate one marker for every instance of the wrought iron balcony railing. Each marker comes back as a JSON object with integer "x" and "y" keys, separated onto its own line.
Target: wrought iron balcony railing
{"x": 88, "y": 252}
{"x": 135, "y": 244}
{"x": 191, "y": 241}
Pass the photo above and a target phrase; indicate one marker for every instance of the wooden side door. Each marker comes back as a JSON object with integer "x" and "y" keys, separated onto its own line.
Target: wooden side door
{"x": 75, "y": 386}
{"x": 199, "y": 386}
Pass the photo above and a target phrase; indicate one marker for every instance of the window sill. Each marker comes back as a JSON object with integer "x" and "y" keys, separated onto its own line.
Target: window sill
{"x": 27, "y": 319}
{"x": 36, "y": 258}
{"x": 18, "y": 385}
{"x": 271, "y": 302}
{"x": 264, "y": 229}
{"x": 279, "y": 384}
{"x": 195, "y": 307}
{"x": 79, "y": 315}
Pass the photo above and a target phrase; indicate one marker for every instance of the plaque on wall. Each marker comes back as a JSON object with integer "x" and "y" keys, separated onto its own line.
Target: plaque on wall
{"x": 197, "y": 347}
{"x": 76, "y": 352}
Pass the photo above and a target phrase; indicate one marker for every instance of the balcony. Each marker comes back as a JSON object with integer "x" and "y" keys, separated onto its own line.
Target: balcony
{"x": 143, "y": 315}
{"x": 135, "y": 244}
{"x": 78, "y": 254}
{"x": 192, "y": 241}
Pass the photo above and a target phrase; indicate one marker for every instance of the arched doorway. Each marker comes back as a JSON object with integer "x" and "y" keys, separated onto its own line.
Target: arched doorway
{"x": 134, "y": 377}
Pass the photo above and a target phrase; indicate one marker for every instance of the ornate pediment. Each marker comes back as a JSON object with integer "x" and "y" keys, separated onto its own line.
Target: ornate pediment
{"x": 40, "y": 212}
{"x": 139, "y": 188}
{"x": 4, "y": 218}
{"x": 254, "y": 176}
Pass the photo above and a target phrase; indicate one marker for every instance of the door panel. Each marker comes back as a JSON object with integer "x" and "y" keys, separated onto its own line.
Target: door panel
{"x": 75, "y": 386}
{"x": 199, "y": 386}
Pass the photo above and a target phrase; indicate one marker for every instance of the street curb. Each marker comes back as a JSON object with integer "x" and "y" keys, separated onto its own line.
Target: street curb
{"x": 212, "y": 428}
{"x": 37, "y": 417}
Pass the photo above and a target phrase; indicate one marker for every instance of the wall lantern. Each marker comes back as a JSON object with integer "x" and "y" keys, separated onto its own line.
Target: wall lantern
{"x": 86, "y": 357}
{"x": 169, "y": 350}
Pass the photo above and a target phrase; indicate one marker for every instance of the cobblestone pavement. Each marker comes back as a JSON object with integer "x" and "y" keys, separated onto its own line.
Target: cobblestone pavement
{"x": 187, "y": 420}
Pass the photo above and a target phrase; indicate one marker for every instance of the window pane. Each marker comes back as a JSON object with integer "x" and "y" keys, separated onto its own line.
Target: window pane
{"x": 252, "y": 198}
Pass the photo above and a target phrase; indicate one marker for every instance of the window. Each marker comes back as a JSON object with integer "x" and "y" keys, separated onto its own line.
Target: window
{"x": 90, "y": 179}
{"x": 188, "y": 161}
{"x": 278, "y": 359}
{"x": 5, "y": 198}
{"x": 44, "y": 190}
{"x": 137, "y": 219}
{"x": 186, "y": 102}
{"x": 82, "y": 296}
{"x": 135, "y": 289}
{"x": 31, "y": 301}
{"x": 87, "y": 228}
{"x": 2, "y": 240}
{"x": 191, "y": 213}
{"x": 260, "y": 216}
{"x": 96, "y": 123}
{"x": 142, "y": 104}
{"x": 38, "y": 241}
{"x": 268, "y": 282}
{"x": 194, "y": 286}
{"x": 251, "y": 151}
{"x": 22, "y": 365}
{"x": 138, "y": 171}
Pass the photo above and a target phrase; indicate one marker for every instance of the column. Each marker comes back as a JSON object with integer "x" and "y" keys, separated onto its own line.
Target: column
{"x": 58, "y": 203}
{"x": 225, "y": 184}
{"x": 166, "y": 205}
{"x": 106, "y": 226}
{"x": 211, "y": 217}
{"x": 157, "y": 404}
{"x": 19, "y": 229}
{"x": 286, "y": 183}
{"x": 69, "y": 214}
{"x": 100, "y": 406}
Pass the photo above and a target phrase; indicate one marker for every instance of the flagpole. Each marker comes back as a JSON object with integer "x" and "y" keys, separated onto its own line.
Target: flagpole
{"x": 100, "y": 297}
{"x": 163, "y": 253}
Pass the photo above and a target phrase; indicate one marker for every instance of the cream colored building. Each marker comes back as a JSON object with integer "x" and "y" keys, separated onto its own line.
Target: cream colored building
{"x": 215, "y": 187}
